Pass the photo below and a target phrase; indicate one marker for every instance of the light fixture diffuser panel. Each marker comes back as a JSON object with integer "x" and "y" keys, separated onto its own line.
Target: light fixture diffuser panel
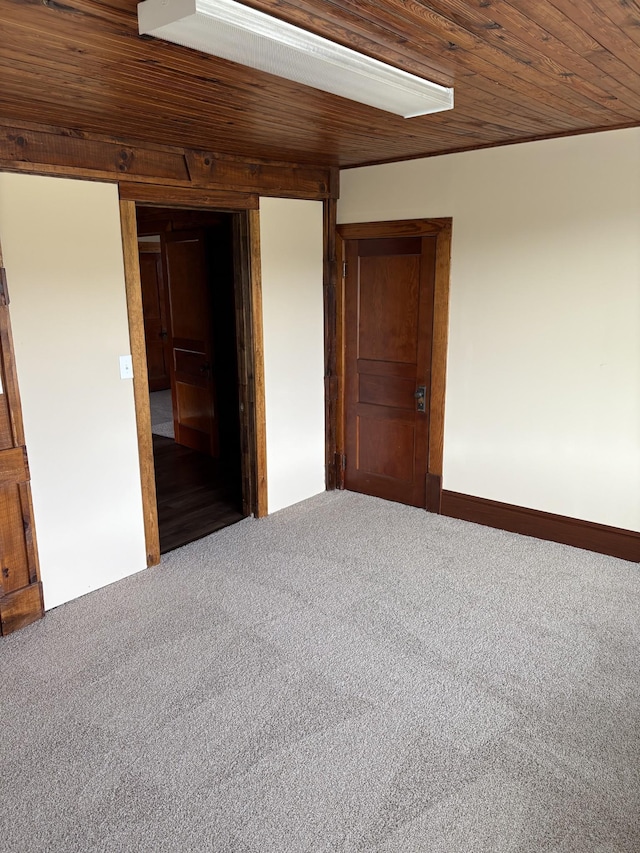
{"x": 241, "y": 34}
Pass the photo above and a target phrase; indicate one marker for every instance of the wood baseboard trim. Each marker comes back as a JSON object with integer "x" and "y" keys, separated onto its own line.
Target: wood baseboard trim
{"x": 613, "y": 541}
{"x": 434, "y": 493}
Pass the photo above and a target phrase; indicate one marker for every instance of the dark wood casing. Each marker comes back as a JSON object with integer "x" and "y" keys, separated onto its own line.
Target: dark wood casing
{"x": 21, "y": 600}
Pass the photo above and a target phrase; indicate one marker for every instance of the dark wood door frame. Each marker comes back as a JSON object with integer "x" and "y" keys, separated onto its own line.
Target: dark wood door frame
{"x": 334, "y": 328}
{"x": 248, "y": 287}
{"x": 21, "y": 596}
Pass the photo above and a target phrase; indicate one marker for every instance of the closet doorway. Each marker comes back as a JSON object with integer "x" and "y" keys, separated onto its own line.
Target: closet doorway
{"x": 188, "y": 271}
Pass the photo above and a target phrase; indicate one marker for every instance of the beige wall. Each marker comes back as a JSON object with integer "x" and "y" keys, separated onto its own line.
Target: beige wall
{"x": 63, "y": 255}
{"x": 291, "y": 248}
{"x": 543, "y": 387}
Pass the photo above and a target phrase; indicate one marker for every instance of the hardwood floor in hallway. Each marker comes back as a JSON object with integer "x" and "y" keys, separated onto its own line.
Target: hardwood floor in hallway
{"x": 195, "y": 495}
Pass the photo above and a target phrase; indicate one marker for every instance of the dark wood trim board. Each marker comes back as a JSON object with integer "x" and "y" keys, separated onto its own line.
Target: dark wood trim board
{"x": 140, "y": 382}
{"x": 613, "y": 541}
{"x": 210, "y": 176}
{"x": 330, "y": 278}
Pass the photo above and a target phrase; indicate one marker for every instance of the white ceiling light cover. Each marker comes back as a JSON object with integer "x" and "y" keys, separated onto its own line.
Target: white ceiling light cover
{"x": 241, "y": 34}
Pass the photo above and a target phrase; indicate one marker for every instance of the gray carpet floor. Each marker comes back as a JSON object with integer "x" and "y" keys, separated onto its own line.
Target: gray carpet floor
{"x": 345, "y": 675}
{"x": 161, "y": 413}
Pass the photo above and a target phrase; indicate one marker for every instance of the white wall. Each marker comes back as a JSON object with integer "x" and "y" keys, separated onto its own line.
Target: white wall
{"x": 543, "y": 386}
{"x": 63, "y": 254}
{"x": 291, "y": 247}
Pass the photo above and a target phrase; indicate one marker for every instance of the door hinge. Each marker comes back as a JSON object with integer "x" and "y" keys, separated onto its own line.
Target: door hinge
{"x": 4, "y": 290}
{"x": 344, "y": 269}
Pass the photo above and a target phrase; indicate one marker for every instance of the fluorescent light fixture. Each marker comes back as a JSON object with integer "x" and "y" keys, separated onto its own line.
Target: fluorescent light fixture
{"x": 241, "y": 34}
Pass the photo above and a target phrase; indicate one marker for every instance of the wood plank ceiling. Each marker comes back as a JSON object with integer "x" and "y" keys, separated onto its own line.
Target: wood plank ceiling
{"x": 521, "y": 70}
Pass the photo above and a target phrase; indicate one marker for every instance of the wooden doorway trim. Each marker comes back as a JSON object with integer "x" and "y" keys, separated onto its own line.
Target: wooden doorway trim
{"x": 21, "y": 596}
{"x": 251, "y": 364}
{"x": 246, "y": 243}
{"x": 140, "y": 384}
{"x": 442, "y": 228}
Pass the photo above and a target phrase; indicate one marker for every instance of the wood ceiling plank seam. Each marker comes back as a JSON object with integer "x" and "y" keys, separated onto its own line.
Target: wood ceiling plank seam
{"x": 499, "y": 93}
{"x": 460, "y": 123}
{"x": 582, "y": 43}
{"x": 131, "y": 82}
{"x": 536, "y": 88}
{"x": 514, "y": 46}
{"x": 495, "y": 104}
{"x": 532, "y": 35}
{"x": 543, "y": 95}
{"x": 621, "y": 16}
{"x": 219, "y": 75}
{"x": 86, "y": 10}
{"x": 233, "y": 82}
{"x": 353, "y": 31}
{"x": 388, "y": 129}
{"x": 419, "y": 14}
{"x": 408, "y": 58}
{"x": 30, "y": 62}
{"x": 439, "y": 42}
{"x": 602, "y": 30}
{"x": 90, "y": 90}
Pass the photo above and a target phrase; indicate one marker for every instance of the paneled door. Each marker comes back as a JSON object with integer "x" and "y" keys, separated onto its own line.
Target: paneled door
{"x": 191, "y": 338}
{"x": 21, "y": 599}
{"x": 389, "y": 302}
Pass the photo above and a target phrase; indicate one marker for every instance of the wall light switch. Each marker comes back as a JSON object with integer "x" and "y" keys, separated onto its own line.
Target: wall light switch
{"x": 126, "y": 367}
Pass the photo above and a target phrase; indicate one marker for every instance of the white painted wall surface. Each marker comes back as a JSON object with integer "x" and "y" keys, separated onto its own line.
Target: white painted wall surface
{"x": 543, "y": 385}
{"x": 291, "y": 249}
{"x": 63, "y": 255}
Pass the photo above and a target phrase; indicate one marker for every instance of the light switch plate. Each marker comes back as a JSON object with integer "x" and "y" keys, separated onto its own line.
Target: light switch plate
{"x": 126, "y": 367}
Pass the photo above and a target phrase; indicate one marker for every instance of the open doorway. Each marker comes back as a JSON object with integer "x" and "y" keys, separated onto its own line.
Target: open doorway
{"x": 188, "y": 280}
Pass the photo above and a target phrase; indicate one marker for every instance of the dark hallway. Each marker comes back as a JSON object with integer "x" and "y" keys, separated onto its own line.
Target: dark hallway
{"x": 190, "y": 330}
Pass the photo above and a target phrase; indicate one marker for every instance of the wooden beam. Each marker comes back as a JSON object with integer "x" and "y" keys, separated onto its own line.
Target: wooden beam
{"x": 187, "y": 197}
{"x": 140, "y": 384}
{"x": 270, "y": 179}
{"x": 61, "y": 154}
{"x": 51, "y": 151}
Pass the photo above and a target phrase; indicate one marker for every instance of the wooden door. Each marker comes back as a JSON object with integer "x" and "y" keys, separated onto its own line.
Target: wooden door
{"x": 156, "y": 335}
{"x": 190, "y": 334}
{"x": 21, "y": 599}
{"x": 389, "y": 292}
